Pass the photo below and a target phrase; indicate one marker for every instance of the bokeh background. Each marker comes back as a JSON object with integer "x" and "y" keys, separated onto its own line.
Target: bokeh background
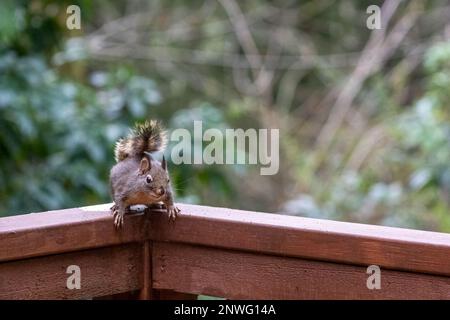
{"x": 364, "y": 116}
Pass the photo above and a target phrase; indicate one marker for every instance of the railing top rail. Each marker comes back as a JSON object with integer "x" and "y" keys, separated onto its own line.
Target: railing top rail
{"x": 68, "y": 230}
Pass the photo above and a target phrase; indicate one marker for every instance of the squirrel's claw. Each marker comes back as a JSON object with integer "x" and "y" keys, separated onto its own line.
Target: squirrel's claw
{"x": 118, "y": 218}
{"x": 118, "y": 221}
{"x": 173, "y": 212}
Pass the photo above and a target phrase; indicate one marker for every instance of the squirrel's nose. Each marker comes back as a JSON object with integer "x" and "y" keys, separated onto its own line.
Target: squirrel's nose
{"x": 160, "y": 191}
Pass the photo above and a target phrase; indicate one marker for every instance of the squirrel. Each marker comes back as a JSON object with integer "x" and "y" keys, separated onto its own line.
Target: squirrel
{"x": 137, "y": 178}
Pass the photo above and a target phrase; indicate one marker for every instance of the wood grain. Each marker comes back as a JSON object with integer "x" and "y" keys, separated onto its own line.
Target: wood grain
{"x": 67, "y": 230}
{"x": 71, "y": 230}
{"x": 237, "y": 275}
{"x": 146, "y": 291}
{"x": 130, "y": 295}
{"x": 104, "y": 272}
{"x": 325, "y": 240}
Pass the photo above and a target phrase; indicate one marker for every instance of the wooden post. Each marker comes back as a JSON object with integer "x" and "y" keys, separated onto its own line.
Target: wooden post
{"x": 146, "y": 291}
{"x": 218, "y": 252}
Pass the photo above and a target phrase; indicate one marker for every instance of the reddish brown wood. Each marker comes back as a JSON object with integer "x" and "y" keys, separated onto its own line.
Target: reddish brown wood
{"x": 173, "y": 295}
{"x": 146, "y": 291}
{"x": 75, "y": 229}
{"x": 104, "y": 272}
{"x": 394, "y": 248}
{"x": 131, "y": 295}
{"x": 61, "y": 231}
{"x": 252, "y": 248}
{"x": 238, "y": 275}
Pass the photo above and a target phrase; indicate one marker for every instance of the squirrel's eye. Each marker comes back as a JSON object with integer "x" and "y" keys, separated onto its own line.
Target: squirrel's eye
{"x": 149, "y": 179}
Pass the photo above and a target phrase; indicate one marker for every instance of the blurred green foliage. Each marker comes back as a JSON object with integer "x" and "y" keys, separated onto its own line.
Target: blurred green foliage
{"x": 62, "y": 108}
{"x": 408, "y": 183}
{"x": 59, "y": 126}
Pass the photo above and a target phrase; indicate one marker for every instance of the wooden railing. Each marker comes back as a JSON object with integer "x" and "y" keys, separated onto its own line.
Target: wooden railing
{"x": 216, "y": 251}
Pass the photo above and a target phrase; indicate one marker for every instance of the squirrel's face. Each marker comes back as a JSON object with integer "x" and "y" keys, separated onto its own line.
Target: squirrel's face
{"x": 154, "y": 178}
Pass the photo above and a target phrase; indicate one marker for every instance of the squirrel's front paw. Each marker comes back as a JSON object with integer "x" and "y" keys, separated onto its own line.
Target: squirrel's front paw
{"x": 173, "y": 212}
{"x": 118, "y": 217}
{"x": 113, "y": 208}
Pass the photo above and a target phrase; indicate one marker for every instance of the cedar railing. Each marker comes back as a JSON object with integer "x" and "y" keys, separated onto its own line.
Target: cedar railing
{"x": 216, "y": 251}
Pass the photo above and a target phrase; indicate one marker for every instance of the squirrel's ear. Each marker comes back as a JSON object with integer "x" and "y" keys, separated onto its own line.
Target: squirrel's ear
{"x": 144, "y": 166}
{"x": 164, "y": 163}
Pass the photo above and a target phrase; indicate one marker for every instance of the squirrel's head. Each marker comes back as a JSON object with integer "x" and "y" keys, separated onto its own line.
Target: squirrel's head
{"x": 153, "y": 177}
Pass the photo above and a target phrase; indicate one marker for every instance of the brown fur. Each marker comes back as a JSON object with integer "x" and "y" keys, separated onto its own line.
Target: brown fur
{"x": 147, "y": 137}
{"x": 128, "y": 178}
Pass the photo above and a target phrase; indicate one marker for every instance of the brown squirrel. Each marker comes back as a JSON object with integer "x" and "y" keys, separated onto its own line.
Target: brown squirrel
{"x": 137, "y": 178}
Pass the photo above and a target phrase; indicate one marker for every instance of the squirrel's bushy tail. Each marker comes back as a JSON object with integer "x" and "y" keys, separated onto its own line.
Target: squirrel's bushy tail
{"x": 147, "y": 137}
